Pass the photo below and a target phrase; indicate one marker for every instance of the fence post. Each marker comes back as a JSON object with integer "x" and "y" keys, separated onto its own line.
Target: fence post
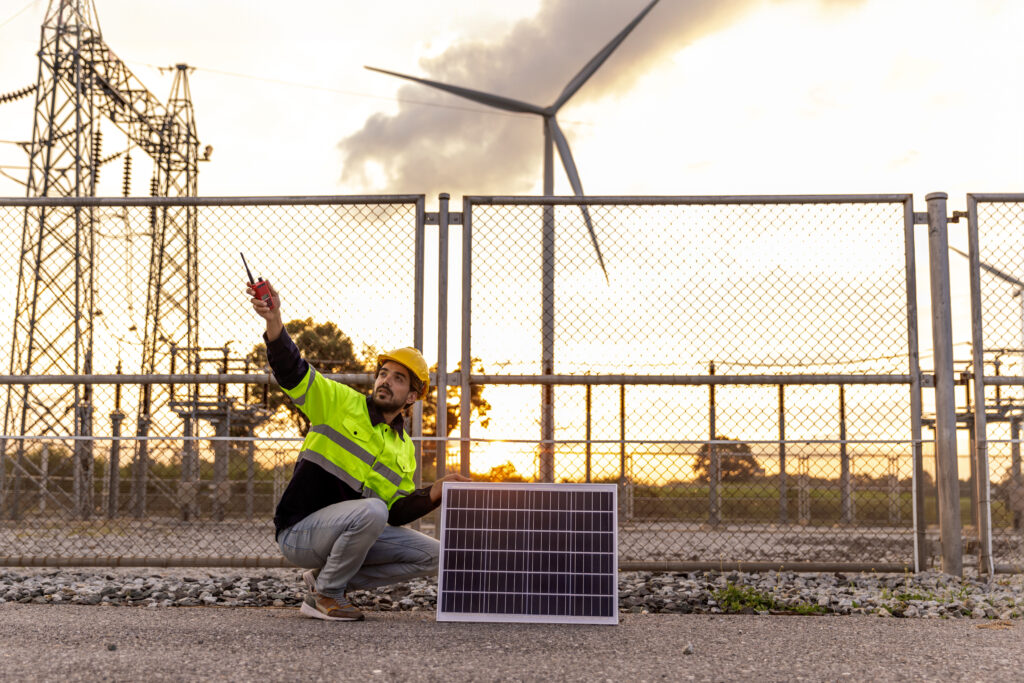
{"x": 441, "y": 412}
{"x": 979, "y": 443}
{"x": 3, "y": 477}
{"x": 189, "y": 484}
{"x": 4, "y": 459}
{"x": 140, "y": 473}
{"x": 803, "y": 489}
{"x": 893, "y": 489}
{"x": 714, "y": 465}
{"x": 1016, "y": 480}
{"x": 547, "y": 302}
{"x": 972, "y": 479}
{"x": 44, "y": 477}
{"x": 783, "y": 495}
{"x": 625, "y": 482}
{"x": 83, "y": 459}
{"x": 465, "y": 390}
{"x": 221, "y": 487}
{"x": 845, "y": 480}
{"x": 921, "y": 552}
{"x": 947, "y": 480}
{"x": 416, "y": 428}
{"x": 279, "y": 483}
{"x": 114, "y": 466}
{"x": 250, "y": 476}
{"x": 588, "y": 446}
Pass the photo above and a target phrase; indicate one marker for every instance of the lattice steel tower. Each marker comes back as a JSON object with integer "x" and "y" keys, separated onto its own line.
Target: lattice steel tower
{"x": 81, "y": 81}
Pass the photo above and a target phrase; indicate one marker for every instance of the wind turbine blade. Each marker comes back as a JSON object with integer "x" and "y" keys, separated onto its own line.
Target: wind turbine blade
{"x": 992, "y": 270}
{"x": 497, "y": 101}
{"x": 597, "y": 60}
{"x": 577, "y": 187}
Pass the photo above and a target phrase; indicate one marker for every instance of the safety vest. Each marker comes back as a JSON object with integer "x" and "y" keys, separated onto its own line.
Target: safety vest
{"x": 372, "y": 459}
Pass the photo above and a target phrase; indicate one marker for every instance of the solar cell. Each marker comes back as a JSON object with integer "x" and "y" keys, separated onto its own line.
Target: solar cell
{"x": 528, "y": 552}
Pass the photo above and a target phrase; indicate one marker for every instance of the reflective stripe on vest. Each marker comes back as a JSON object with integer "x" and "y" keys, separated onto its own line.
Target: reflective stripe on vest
{"x": 398, "y": 494}
{"x": 337, "y": 471}
{"x": 301, "y": 399}
{"x": 352, "y": 447}
{"x": 340, "y": 473}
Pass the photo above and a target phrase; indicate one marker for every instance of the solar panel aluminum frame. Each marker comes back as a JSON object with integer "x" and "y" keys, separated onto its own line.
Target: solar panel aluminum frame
{"x": 444, "y": 614}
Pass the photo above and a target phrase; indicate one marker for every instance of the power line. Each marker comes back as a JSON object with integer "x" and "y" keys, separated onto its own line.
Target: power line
{"x": 16, "y": 14}
{"x": 10, "y": 177}
{"x": 351, "y": 93}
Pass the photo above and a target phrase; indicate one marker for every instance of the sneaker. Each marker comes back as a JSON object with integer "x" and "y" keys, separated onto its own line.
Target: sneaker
{"x": 309, "y": 578}
{"x": 322, "y": 607}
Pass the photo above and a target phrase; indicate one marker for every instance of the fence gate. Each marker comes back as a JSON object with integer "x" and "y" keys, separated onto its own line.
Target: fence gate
{"x": 993, "y": 414}
{"x": 186, "y": 452}
{"x": 745, "y": 368}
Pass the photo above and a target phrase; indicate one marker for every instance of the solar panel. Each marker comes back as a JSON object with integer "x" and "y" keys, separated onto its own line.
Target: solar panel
{"x": 528, "y": 553}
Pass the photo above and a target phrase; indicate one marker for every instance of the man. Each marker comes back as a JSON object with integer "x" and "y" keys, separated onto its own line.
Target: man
{"x": 342, "y": 513}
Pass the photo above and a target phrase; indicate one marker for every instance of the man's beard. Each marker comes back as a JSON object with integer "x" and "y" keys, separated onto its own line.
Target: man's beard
{"x": 386, "y": 402}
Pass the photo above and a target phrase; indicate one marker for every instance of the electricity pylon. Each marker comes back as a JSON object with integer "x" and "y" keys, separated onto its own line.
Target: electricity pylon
{"x": 80, "y": 82}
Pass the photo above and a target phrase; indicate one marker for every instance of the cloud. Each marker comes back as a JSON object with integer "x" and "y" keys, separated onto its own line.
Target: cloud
{"x": 434, "y": 149}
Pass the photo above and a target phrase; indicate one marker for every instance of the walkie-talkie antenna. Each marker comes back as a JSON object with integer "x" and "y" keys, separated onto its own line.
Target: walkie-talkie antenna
{"x": 247, "y": 271}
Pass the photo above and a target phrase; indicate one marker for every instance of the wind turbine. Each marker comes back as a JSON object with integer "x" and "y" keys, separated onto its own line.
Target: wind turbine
{"x": 552, "y": 131}
{"x": 553, "y": 137}
{"x": 992, "y": 270}
{"x": 1017, "y": 283}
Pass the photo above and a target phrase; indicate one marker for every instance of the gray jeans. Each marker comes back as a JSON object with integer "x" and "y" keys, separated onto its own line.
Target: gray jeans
{"x": 353, "y": 546}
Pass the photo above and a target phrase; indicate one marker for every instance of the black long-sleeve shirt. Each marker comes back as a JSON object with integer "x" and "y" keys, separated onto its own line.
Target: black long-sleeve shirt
{"x": 313, "y": 488}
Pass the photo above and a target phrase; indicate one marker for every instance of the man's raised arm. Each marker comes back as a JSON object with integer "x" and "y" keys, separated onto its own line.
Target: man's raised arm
{"x": 283, "y": 356}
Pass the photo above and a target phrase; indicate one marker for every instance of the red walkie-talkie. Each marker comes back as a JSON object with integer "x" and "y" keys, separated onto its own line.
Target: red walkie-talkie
{"x": 261, "y": 286}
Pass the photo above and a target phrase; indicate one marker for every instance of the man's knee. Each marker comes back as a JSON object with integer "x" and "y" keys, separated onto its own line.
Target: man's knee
{"x": 373, "y": 513}
{"x": 432, "y": 549}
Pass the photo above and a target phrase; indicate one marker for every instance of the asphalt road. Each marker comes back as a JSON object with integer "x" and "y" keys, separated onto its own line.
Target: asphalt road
{"x": 72, "y": 642}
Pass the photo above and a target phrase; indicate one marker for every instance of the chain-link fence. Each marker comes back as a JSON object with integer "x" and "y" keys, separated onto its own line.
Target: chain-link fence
{"x": 199, "y": 464}
{"x": 744, "y": 368}
{"x": 996, "y": 233}
{"x": 765, "y": 350}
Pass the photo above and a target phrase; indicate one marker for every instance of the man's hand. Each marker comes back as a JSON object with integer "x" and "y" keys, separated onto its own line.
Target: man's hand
{"x": 435, "y": 490}
{"x": 271, "y": 315}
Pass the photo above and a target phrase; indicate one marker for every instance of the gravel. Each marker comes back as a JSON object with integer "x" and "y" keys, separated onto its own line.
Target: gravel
{"x": 928, "y": 595}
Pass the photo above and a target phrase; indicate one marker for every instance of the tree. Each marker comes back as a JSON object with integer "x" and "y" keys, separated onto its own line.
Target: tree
{"x": 504, "y": 472}
{"x": 326, "y": 348}
{"x": 736, "y": 463}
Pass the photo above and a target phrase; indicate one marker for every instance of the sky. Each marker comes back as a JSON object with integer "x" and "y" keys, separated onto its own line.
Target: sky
{"x": 705, "y": 97}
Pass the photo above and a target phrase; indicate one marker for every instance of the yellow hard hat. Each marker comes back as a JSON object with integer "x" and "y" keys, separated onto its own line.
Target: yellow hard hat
{"x": 412, "y": 359}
